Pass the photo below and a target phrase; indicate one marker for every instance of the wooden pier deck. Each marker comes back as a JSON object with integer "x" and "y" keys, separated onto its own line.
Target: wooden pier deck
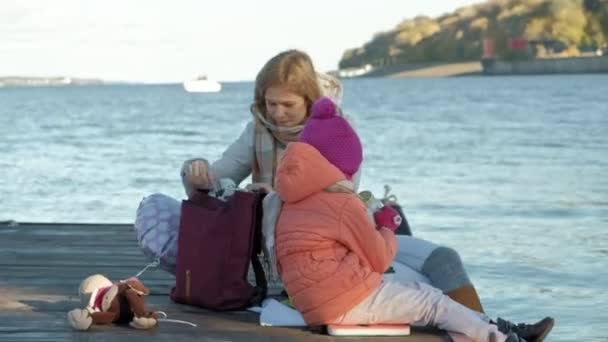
{"x": 42, "y": 264}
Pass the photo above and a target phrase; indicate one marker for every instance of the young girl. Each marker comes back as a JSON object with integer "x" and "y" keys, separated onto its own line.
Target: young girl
{"x": 331, "y": 256}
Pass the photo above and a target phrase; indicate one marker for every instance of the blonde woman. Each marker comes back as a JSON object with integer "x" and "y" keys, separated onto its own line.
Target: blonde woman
{"x": 285, "y": 89}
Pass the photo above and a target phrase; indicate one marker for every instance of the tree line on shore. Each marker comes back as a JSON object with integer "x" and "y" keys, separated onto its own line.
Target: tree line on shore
{"x": 567, "y": 27}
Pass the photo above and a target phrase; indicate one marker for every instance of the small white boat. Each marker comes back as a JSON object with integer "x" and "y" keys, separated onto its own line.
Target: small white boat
{"x": 202, "y": 85}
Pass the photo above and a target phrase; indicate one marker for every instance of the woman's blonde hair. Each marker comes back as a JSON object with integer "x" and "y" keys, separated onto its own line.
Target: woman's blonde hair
{"x": 292, "y": 69}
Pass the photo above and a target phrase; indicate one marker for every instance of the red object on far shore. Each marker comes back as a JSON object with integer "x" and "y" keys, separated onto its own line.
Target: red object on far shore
{"x": 488, "y": 48}
{"x": 518, "y": 44}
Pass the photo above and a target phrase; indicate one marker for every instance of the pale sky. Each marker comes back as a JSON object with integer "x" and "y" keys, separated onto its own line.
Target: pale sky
{"x": 171, "y": 41}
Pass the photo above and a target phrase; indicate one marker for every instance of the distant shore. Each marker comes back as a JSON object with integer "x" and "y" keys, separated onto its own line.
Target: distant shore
{"x": 421, "y": 70}
{"x": 580, "y": 65}
{"x": 576, "y": 65}
{"x": 49, "y": 81}
{"x": 441, "y": 70}
{"x": 545, "y": 66}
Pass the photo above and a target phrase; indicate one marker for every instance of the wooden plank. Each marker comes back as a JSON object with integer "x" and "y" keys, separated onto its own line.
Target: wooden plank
{"x": 65, "y": 271}
{"x": 41, "y": 266}
{"x": 210, "y": 327}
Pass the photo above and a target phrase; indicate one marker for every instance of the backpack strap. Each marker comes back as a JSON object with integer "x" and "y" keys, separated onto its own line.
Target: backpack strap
{"x": 261, "y": 288}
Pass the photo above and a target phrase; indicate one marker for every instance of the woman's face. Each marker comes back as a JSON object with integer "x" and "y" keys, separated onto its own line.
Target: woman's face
{"x": 285, "y": 108}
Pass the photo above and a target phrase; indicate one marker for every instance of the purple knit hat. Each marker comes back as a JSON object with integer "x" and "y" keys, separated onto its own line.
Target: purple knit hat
{"x": 333, "y": 136}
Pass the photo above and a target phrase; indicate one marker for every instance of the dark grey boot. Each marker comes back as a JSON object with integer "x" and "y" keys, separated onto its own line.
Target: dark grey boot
{"x": 530, "y": 332}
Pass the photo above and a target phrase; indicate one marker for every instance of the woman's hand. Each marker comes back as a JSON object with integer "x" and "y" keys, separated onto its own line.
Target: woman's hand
{"x": 259, "y": 187}
{"x": 196, "y": 172}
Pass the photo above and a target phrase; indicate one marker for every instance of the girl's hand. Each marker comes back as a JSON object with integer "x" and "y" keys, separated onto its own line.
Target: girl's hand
{"x": 387, "y": 217}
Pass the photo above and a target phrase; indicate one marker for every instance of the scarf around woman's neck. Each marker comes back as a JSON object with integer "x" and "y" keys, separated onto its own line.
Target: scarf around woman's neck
{"x": 267, "y": 140}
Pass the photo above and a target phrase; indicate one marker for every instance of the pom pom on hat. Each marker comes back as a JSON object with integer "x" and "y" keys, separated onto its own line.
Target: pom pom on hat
{"x": 323, "y": 108}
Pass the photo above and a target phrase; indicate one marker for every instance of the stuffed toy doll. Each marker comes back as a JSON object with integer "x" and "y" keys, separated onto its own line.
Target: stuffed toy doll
{"x": 106, "y": 302}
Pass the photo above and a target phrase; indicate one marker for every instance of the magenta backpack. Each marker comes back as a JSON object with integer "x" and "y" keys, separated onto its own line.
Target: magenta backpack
{"x": 217, "y": 242}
